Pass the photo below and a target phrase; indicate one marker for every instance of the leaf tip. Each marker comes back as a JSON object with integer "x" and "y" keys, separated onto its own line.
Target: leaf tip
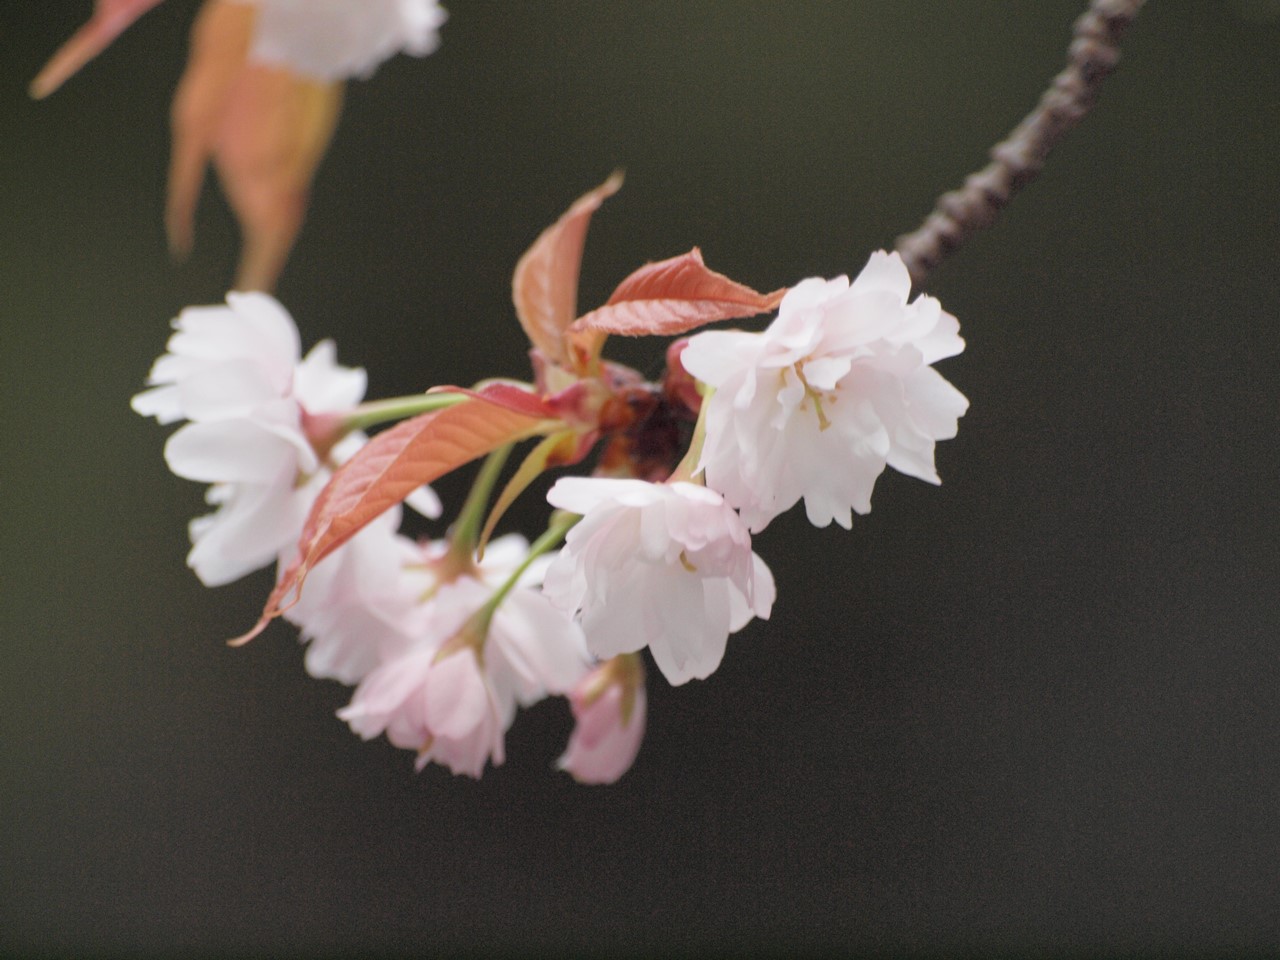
{"x": 244, "y": 638}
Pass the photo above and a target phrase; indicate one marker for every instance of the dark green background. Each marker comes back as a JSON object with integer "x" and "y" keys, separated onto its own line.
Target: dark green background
{"x": 1037, "y": 708}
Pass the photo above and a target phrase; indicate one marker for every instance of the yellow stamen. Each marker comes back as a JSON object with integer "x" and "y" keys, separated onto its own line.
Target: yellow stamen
{"x": 816, "y": 397}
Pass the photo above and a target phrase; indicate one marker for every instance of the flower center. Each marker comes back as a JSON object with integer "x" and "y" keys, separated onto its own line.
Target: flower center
{"x": 811, "y": 394}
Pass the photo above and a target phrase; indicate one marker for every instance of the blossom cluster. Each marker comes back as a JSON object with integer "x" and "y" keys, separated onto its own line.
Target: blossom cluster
{"x": 444, "y": 639}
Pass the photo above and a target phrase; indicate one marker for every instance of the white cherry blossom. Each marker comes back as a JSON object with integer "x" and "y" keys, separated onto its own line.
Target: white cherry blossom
{"x": 838, "y": 386}
{"x": 667, "y": 566}
{"x": 234, "y": 372}
{"x": 338, "y": 39}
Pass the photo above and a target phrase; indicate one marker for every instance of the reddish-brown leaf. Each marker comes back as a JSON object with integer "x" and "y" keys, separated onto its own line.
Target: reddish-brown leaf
{"x": 386, "y": 470}
{"x": 674, "y": 296}
{"x": 545, "y": 285}
{"x": 110, "y": 19}
{"x": 504, "y": 393}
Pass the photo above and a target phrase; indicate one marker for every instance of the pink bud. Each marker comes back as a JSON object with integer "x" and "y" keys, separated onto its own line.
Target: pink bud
{"x": 609, "y": 707}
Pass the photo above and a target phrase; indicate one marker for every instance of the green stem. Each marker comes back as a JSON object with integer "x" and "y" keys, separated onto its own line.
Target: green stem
{"x": 561, "y": 523}
{"x": 398, "y": 408}
{"x": 687, "y": 468}
{"x": 466, "y": 530}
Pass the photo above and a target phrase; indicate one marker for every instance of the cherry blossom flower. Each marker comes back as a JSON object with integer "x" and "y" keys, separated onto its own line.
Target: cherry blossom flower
{"x": 440, "y": 706}
{"x": 358, "y": 608}
{"x": 337, "y": 39}
{"x": 838, "y": 386}
{"x": 663, "y": 566}
{"x": 454, "y": 692}
{"x": 609, "y": 710}
{"x": 235, "y": 374}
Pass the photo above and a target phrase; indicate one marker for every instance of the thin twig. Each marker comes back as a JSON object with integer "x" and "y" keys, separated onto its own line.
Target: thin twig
{"x": 1093, "y": 54}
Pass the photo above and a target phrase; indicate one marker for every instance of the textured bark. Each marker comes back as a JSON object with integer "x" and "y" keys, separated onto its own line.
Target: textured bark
{"x": 1016, "y": 161}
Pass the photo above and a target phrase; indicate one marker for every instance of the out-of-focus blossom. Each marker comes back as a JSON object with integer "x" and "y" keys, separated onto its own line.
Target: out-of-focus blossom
{"x": 235, "y": 374}
{"x": 260, "y": 98}
{"x": 609, "y": 713}
{"x": 838, "y": 386}
{"x": 338, "y": 39}
{"x": 667, "y": 566}
{"x": 452, "y": 695}
{"x": 265, "y": 128}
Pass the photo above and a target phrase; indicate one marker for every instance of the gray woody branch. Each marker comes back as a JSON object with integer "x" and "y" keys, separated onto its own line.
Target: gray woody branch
{"x": 1093, "y": 54}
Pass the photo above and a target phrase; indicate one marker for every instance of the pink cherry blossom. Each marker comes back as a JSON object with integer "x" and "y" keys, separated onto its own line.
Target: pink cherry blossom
{"x": 609, "y": 710}
{"x": 451, "y": 695}
{"x": 663, "y": 566}
{"x": 838, "y": 386}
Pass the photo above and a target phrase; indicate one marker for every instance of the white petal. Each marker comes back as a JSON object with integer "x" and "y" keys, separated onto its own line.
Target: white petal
{"x": 884, "y": 271}
{"x": 321, "y": 385}
{"x": 229, "y": 451}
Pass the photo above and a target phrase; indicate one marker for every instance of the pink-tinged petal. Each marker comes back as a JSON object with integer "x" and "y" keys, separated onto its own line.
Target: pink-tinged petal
{"x": 825, "y": 373}
{"x": 540, "y": 641}
{"x": 582, "y": 494}
{"x": 457, "y": 700}
{"x": 249, "y": 330}
{"x": 934, "y": 404}
{"x": 653, "y": 565}
{"x": 384, "y": 693}
{"x": 467, "y": 755}
{"x": 604, "y": 744}
{"x": 828, "y": 396}
{"x": 360, "y": 608}
{"x": 943, "y": 338}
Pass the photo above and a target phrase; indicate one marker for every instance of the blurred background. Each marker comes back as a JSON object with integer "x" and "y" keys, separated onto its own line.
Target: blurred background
{"x": 1035, "y": 710}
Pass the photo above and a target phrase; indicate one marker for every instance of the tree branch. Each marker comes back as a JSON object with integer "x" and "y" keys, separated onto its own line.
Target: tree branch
{"x": 1015, "y": 162}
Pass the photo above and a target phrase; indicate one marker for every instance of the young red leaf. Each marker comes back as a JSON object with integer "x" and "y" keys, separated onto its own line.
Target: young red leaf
{"x": 516, "y": 397}
{"x": 674, "y": 296}
{"x": 545, "y": 285}
{"x": 386, "y": 470}
{"x": 110, "y": 19}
